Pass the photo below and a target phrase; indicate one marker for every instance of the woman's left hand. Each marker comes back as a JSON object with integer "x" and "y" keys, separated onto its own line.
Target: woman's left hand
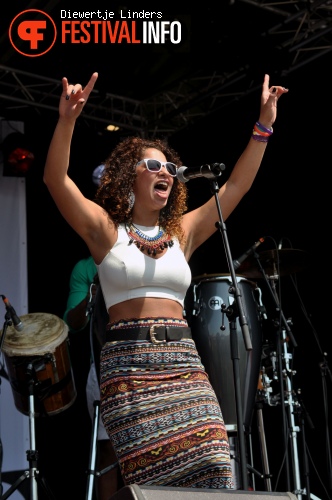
{"x": 269, "y": 100}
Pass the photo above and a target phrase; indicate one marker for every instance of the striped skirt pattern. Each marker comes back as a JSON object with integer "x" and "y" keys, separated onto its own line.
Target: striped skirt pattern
{"x": 162, "y": 415}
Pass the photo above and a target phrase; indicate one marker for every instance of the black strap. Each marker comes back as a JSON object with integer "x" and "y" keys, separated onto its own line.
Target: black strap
{"x": 155, "y": 333}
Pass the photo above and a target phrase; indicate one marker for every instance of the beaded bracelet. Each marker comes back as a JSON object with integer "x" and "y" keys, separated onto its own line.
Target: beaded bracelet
{"x": 261, "y": 133}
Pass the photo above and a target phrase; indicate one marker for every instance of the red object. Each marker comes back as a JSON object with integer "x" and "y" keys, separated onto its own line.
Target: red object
{"x": 20, "y": 160}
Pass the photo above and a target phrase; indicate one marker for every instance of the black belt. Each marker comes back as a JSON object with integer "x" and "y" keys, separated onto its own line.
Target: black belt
{"x": 156, "y": 333}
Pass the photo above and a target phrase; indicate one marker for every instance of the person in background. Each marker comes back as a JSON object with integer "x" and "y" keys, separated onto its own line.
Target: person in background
{"x": 157, "y": 403}
{"x": 82, "y": 312}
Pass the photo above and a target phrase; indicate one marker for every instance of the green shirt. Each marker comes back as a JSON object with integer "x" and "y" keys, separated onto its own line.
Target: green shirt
{"x": 82, "y": 275}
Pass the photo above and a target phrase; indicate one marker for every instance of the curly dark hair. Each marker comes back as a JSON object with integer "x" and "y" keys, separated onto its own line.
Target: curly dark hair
{"x": 118, "y": 178}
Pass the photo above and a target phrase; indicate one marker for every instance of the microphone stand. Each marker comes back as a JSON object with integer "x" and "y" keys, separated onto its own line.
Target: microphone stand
{"x": 233, "y": 312}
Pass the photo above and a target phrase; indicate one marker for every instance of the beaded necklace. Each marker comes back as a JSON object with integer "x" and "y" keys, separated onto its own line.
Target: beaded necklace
{"x": 152, "y": 244}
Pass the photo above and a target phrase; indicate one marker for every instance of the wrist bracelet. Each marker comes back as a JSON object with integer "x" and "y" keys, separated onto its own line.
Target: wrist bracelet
{"x": 260, "y": 138}
{"x": 263, "y": 129}
{"x": 261, "y": 133}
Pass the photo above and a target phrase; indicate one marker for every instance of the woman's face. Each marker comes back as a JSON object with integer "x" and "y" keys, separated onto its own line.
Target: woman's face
{"x": 152, "y": 189}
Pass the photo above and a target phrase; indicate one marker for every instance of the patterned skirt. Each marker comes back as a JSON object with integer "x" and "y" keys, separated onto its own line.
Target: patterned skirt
{"x": 162, "y": 415}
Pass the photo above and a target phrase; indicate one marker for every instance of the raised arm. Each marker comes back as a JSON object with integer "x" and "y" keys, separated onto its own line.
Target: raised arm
{"x": 83, "y": 215}
{"x": 199, "y": 224}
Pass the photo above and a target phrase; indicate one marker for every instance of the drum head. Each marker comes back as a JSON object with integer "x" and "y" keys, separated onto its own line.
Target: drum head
{"x": 41, "y": 334}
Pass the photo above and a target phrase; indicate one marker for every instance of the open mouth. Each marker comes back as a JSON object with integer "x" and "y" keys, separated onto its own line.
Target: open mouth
{"x": 161, "y": 186}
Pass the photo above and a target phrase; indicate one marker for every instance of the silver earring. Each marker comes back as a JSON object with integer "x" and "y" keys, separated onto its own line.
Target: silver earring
{"x": 131, "y": 200}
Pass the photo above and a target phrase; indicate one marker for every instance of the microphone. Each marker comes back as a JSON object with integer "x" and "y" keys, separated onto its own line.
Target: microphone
{"x": 18, "y": 325}
{"x": 237, "y": 263}
{"x": 184, "y": 174}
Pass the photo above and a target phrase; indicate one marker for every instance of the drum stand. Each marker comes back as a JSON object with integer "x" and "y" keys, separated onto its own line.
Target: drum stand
{"x": 32, "y": 454}
{"x": 284, "y": 375}
{"x": 293, "y": 407}
{"x": 92, "y": 463}
{"x": 262, "y": 441}
{"x": 93, "y": 452}
{"x": 92, "y": 473}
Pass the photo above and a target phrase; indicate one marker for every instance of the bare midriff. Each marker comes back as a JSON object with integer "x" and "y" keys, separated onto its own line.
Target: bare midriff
{"x": 148, "y": 307}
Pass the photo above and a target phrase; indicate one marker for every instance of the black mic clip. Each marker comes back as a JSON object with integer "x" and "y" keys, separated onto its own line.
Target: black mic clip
{"x": 212, "y": 171}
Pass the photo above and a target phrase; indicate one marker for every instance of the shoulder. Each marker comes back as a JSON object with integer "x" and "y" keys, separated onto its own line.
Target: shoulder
{"x": 90, "y": 264}
{"x": 84, "y": 268}
{"x": 83, "y": 264}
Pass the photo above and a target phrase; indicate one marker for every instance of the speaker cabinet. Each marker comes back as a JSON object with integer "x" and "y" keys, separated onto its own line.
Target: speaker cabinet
{"x": 135, "y": 492}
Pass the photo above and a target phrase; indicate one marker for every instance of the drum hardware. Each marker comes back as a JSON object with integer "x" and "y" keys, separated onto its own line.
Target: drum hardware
{"x": 291, "y": 404}
{"x": 262, "y": 441}
{"x": 290, "y": 260}
{"x": 196, "y": 304}
{"x": 92, "y": 472}
{"x": 92, "y": 293}
{"x": 231, "y": 313}
{"x": 265, "y": 396}
{"x": 285, "y": 334}
{"x": 98, "y": 322}
{"x": 234, "y": 457}
{"x": 236, "y": 315}
{"x": 274, "y": 269}
{"x": 264, "y": 389}
{"x": 93, "y": 452}
{"x": 282, "y": 371}
{"x": 32, "y": 454}
{"x": 212, "y": 337}
{"x": 43, "y": 341}
{"x": 304, "y": 415}
{"x": 286, "y": 400}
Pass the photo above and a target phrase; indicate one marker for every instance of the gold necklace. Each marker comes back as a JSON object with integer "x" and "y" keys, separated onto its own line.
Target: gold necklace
{"x": 152, "y": 244}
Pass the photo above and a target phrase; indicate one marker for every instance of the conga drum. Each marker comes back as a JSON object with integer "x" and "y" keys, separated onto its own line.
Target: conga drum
{"x": 38, "y": 357}
{"x": 203, "y": 307}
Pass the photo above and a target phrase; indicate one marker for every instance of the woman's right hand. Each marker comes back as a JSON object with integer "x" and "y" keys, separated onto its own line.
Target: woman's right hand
{"x": 74, "y": 97}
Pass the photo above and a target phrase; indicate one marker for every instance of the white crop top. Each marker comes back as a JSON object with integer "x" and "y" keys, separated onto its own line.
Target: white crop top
{"x": 127, "y": 273}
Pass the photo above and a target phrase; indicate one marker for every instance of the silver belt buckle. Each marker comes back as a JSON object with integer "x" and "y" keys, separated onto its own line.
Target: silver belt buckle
{"x": 153, "y": 335}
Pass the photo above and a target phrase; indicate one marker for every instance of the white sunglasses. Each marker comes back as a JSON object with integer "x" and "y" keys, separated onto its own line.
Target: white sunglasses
{"x": 155, "y": 166}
